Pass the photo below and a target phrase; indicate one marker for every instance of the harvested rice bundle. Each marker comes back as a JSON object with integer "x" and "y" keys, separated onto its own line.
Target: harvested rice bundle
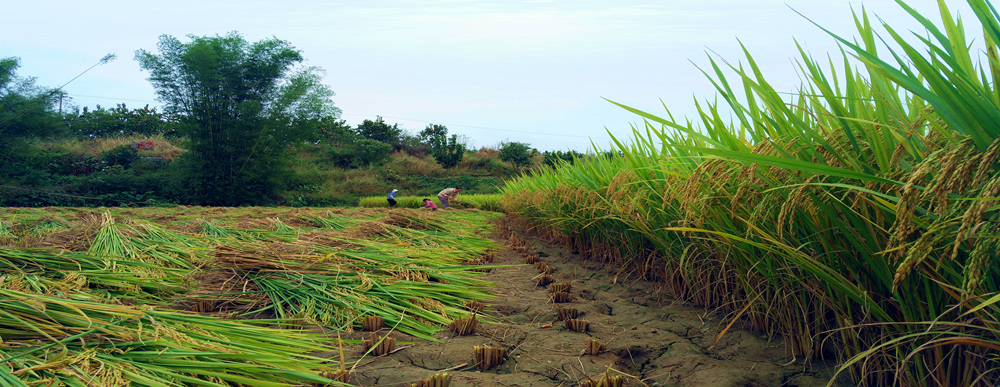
{"x": 118, "y": 344}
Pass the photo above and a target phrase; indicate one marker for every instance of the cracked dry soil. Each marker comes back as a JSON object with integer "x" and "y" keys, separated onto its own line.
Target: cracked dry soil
{"x": 655, "y": 340}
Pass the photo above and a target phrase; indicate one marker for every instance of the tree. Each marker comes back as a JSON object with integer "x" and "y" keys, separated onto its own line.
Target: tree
{"x": 378, "y": 130}
{"x": 119, "y": 121}
{"x": 517, "y": 153}
{"x": 240, "y": 105}
{"x": 330, "y": 131}
{"x": 25, "y": 109}
{"x": 555, "y": 158}
{"x": 431, "y": 131}
{"x": 448, "y": 151}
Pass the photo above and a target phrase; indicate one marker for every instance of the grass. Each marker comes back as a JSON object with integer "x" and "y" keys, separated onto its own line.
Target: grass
{"x": 162, "y": 147}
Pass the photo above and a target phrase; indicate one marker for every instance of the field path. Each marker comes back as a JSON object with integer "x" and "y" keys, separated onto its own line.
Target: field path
{"x": 650, "y": 339}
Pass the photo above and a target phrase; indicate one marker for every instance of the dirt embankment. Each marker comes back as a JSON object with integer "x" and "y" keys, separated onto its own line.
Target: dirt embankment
{"x": 649, "y": 339}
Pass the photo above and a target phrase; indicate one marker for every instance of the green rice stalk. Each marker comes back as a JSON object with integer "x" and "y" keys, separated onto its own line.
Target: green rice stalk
{"x": 121, "y": 345}
{"x": 850, "y": 206}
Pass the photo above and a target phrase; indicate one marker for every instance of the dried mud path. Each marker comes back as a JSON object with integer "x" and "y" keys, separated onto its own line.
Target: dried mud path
{"x": 650, "y": 339}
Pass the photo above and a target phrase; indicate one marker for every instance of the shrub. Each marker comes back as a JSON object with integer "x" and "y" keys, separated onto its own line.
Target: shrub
{"x": 360, "y": 152}
{"x": 120, "y": 121}
{"x": 553, "y": 158}
{"x": 122, "y": 155}
{"x": 379, "y": 131}
{"x": 517, "y": 153}
{"x": 448, "y": 151}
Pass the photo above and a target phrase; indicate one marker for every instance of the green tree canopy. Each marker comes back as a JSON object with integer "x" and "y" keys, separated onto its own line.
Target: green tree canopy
{"x": 240, "y": 104}
{"x": 380, "y": 131}
{"x": 431, "y": 131}
{"x": 119, "y": 121}
{"x": 25, "y": 109}
{"x": 448, "y": 151}
{"x": 517, "y": 153}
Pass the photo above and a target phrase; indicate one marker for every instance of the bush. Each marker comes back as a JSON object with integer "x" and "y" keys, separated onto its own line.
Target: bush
{"x": 379, "y": 131}
{"x": 447, "y": 150}
{"x": 122, "y": 155}
{"x": 413, "y": 145}
{"x": 116, "y": 187}
{"x": 120, "y": 121}
{"x": 67, "y": 164}
{"x": 517, "y": 153}
{"x": 360, "y": 152}
{"x": 553, "y": 158}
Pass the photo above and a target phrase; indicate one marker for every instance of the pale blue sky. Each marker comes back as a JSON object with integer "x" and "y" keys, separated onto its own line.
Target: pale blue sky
{"x": 528, "y": 71}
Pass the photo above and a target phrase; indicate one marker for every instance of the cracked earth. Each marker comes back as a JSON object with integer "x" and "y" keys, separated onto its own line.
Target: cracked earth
{"x": 650, "y": 338}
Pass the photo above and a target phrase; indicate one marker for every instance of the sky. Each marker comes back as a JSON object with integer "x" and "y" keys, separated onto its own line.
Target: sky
{"x": 538, "y": 72}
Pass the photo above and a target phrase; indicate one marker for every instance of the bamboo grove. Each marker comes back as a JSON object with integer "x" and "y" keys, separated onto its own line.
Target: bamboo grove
{"x": 858, "y": 219}
{"x": 221, "y": 296}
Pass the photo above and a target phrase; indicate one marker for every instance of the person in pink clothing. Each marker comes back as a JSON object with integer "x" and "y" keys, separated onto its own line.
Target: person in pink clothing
{"x": 430, "y": 204}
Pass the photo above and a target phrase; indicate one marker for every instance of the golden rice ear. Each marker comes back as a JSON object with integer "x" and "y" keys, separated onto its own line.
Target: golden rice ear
{"x": 487, "y": 357}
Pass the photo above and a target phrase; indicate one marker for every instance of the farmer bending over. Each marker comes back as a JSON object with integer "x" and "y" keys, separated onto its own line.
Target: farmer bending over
{"x": 449, "y": 194}
{"x": 430, "y": 204}
{"x": 392, "y": 198}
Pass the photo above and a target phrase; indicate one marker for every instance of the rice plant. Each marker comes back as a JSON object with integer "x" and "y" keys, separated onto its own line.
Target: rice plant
{"x": 82, "y": 275}
{"x": 80, "y": 343}
{"x": 47, "y": 227}
{"x": 416, "y": 287}
{"x": 484, "y": 202}
{"x": 857, "y": 217}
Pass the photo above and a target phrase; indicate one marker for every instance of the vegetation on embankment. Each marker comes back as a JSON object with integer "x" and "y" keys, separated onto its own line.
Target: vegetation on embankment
{"x": 105, "y": 171}
{"x": 859, "y": 220}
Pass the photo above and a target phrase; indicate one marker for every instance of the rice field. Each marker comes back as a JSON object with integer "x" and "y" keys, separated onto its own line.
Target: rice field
{"x": 858, "y": 219}
{"x": 485, "y": 202}
{"x": 222, "y": 296}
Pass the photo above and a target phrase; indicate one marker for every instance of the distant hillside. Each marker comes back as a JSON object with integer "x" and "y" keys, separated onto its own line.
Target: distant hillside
{"x": 137, "y": 171}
